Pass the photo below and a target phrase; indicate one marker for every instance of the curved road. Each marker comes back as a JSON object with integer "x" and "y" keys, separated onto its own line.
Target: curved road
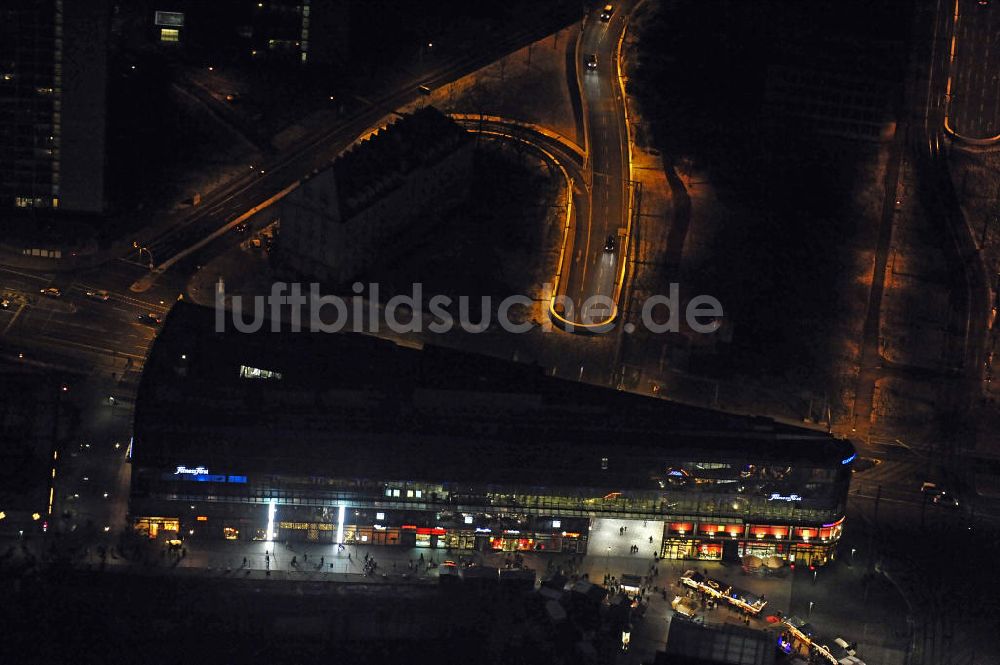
{"x": 594, "y": 271}
{"x": 975, "y": 77}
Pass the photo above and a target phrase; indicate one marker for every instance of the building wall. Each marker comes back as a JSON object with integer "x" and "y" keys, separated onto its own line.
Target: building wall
{"x": 53, "y": 80}
{"x": 84, "y": 102}
{"x": 697, "y": 524}
{"x": 30, "y": 94}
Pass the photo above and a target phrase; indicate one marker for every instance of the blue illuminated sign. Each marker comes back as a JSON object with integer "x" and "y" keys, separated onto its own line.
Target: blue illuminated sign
{"x": 849, "y": 459}
{"x": 207, "y": 478}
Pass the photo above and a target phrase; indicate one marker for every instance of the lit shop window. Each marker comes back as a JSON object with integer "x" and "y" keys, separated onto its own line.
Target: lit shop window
{"x": 170, "y": 35}
{"x": 257, "y": 373}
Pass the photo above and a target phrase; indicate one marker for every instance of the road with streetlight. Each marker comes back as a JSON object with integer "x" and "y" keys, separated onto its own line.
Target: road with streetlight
{"x": 600, "y": 242}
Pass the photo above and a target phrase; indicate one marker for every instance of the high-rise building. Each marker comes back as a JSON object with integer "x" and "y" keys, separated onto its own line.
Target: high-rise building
{"x": 53, "y": 82}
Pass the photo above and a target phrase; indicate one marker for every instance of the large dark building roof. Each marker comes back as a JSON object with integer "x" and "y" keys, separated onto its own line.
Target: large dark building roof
{"x": 691, "y": 644}
{"x": 381, "y": 162}
{"x": 361, "y": 407}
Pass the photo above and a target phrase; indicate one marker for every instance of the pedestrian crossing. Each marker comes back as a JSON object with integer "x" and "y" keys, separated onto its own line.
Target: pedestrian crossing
{"x": 896, "y": 478}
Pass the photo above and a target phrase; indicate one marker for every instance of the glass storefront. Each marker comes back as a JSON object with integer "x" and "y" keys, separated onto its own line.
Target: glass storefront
{"x": 713, "y": 541}
{"x": 758, "y": 549}
{"x": 678, "y": 548}
{"x": 153, "y": 527}
{"x": 355, "y": 534}
{"x": 460, "y": 540}
{"x": 312, "y": 532}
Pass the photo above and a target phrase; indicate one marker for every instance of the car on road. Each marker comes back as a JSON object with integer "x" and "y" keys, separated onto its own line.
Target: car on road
{"x": 845, "y": 645}
{"x": 939, "y": 496}
{"x": 150, "y": 319}
{"x": 607, "y": 12}
{"x": 5, "y": 304}
{"x": 931, "y": 489}
{"x": 51, "y": 291}
{"x": 592, "y": 61}
{"x": 101, "y": 295}
{"x": 611, "y": 243}
{"x": 241, "y": 227}
{"x": 945, "y": 500}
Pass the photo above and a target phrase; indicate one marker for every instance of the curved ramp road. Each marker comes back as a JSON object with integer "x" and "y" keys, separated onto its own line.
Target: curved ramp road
{"x": 596, "y": 265}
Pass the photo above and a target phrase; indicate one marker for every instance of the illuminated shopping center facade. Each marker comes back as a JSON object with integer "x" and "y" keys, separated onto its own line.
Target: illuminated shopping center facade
{"x": 349, "y": 439}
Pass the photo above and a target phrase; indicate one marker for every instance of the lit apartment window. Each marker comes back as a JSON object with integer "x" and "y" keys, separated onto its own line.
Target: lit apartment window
{"x": 170, "y": 35}
{"x": 409, "y": 494}
{"x": 257, "y": 373}
{"x": 23, "y": 201}
{"x": 418, "y": 493}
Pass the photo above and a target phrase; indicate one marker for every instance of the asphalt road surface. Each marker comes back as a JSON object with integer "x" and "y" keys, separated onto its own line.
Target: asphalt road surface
{"x": 594, "y": 268}
{"x": 975, "y": 85}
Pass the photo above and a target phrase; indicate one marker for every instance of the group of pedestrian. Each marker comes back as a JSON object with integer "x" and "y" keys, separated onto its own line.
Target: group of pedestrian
{"x": 370, "y": 565}
{"x": 633, "y": 549}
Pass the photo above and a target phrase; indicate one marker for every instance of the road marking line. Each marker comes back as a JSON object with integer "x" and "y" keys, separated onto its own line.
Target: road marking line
{"x": 113, "y": 352}
{"x": 14, "y": 318}
{"x": 44, "y": 277}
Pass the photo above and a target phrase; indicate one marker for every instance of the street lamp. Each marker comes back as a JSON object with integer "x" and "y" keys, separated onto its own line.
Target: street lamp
{"x": 142, "y": 249}
{"x": 853, "y": 550}
{"x": 809, "y": 614}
